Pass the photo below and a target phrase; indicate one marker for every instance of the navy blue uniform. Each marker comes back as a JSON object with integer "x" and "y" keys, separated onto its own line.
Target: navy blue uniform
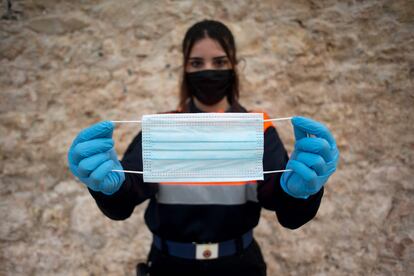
{"x": 211, "y": 212}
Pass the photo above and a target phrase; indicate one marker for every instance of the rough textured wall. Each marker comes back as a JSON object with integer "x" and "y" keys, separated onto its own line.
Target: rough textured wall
{"x": 67, "y": 64}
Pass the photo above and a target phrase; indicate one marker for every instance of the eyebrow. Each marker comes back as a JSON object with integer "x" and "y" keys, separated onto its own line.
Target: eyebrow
{"x": 220, "y": 57}
{"x": 215, "y": 58}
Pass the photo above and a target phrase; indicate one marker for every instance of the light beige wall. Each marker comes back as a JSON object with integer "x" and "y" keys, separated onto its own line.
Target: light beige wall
{"x": 67, "y": 64}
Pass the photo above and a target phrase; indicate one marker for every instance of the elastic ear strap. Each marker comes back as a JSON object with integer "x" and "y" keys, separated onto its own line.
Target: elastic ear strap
{"x": 278, "y": 119}
{"x": 125, "y": 171}
{"x": 278, "y": 171}
{"x": 122, "y": 122}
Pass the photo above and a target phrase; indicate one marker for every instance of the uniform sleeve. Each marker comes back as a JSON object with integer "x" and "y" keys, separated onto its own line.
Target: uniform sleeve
{"x": 291, "y": 212}
{"x": 134, "y": 190}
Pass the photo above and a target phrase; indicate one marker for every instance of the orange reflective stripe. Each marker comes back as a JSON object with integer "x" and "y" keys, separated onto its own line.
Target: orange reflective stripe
{"x": 266, "y": 125}
{"x": 209, "y": 183}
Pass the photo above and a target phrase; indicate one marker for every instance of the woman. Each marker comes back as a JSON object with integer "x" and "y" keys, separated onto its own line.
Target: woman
{"x": 195, "y": 233}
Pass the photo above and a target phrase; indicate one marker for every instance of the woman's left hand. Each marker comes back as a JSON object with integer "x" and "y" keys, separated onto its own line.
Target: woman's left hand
{"x": 313, "y": 160}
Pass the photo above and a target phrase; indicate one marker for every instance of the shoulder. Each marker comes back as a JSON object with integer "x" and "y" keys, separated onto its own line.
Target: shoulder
{"x": 171, "y": 111}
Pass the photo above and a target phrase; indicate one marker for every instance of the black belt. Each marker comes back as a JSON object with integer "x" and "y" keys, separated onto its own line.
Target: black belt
{"x": 205, "y": 251}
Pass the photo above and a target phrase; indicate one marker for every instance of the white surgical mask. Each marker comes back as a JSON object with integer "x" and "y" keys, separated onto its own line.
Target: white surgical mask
{"x": 202, "y": 147}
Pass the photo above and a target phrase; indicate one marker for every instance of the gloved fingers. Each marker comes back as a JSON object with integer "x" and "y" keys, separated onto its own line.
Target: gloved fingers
{"x": 88, "y": 165}
{"x": 302, "y": 170}
{"x": 91, "y": 147}
{"x": 100, "y": 130}
{"x": 315, "y": 145}
{"x": 73, "y": 168}
{"x": 303, "y": 126}
{"x": 99, "y": 174}
{"x": 111, "y": 181}
{"x": 313, "y": 161}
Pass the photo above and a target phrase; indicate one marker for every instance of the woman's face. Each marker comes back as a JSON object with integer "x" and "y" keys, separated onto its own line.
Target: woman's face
{"x": 207, "y": 54}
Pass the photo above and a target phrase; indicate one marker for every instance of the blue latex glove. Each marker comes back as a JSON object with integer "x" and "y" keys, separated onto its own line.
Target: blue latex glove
{"x": 313, "y": 160}
{"x": 92, "y": 158}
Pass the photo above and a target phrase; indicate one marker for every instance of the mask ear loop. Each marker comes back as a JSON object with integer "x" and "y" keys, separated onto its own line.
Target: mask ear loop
{"x": 274, "y": 120}
{"x": 125, "y": 171}
{"x": 278, "y": 119}
{"x": 141, "y": 172}
{"x": 123, "y": 122}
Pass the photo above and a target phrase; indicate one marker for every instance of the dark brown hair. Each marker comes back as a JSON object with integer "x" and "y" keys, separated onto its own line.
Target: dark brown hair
{"x": 219, "y": 32}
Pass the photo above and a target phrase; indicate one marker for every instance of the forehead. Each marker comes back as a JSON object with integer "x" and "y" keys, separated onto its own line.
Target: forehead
{"x": 207, "y": 47}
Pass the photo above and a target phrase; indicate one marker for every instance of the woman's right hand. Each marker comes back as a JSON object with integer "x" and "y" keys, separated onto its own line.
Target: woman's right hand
{"x": 92, "y": 158}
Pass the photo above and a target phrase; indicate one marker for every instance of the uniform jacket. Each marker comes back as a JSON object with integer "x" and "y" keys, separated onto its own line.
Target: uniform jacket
{"x": 208, "y": 212}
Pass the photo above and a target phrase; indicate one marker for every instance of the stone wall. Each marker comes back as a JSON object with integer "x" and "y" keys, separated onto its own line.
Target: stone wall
{"x": 67, "y": 64}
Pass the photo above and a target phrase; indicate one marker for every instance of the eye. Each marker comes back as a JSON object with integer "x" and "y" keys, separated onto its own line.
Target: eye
{"x": 196, "y": 63}
{"x": 220, "y": 62}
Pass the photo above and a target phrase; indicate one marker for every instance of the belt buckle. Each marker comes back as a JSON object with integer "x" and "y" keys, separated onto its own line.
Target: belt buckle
{"x": 207, "y": 251}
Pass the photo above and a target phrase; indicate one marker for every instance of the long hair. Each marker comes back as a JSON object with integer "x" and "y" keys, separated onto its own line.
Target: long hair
{"x": 220, "y": 33}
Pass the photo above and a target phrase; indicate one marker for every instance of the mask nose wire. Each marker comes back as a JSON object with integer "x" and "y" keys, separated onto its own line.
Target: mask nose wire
{"x": 141, "y": 172}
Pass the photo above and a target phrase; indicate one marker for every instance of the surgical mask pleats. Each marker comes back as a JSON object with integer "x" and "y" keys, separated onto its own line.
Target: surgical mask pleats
{"x": 202, "y": 147}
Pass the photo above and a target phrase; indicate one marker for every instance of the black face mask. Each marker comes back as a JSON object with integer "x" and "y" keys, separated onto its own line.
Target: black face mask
{"x": 210, "y": 86}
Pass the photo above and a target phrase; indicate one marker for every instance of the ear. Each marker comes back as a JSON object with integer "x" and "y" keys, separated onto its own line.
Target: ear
{"x": 243, "y": 61}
